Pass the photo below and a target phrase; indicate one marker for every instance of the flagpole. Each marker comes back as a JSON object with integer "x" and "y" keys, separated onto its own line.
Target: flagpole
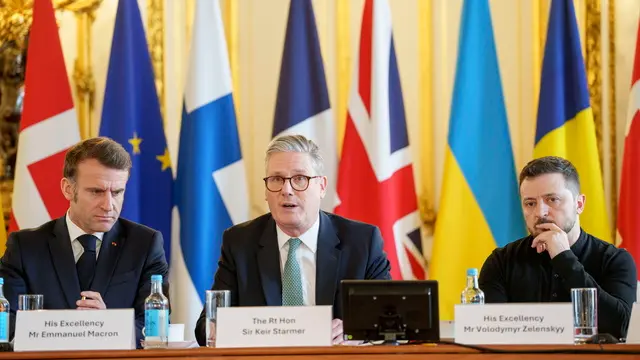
{"x": 343, "y": 61}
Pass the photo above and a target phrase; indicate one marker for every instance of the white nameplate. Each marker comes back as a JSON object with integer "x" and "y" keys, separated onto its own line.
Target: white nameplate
{"x": 269, "y": 326}
{"x": 45, "y": 330}
{"x": 633, "y": 332}
{"x": 521, "y": 323}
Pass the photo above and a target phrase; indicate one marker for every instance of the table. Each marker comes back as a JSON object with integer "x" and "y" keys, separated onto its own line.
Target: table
{"x": 402, "y": 352}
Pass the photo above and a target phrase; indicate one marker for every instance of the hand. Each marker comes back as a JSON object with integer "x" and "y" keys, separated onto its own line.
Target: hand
{"x": 337, "y": 331}
{"x": 554, "y": 240}
{"x": 211, "y": 334}
{"x": 93, "y": 300}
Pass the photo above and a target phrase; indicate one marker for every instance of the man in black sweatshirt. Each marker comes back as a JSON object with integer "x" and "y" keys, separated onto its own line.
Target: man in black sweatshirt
{"x": 559, "y": 255}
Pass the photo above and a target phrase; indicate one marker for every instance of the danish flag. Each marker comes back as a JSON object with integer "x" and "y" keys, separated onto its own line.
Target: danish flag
{"x": 375, "y": 175}
{"x": 47, "y": 129}
{"x": 628, "y": 224}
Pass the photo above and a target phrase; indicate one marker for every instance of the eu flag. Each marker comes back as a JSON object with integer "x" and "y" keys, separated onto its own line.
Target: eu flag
{"x": 131, "y": 116}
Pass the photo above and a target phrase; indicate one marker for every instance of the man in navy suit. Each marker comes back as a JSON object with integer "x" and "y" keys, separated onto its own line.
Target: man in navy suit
{"x": 297, "y": 254}
{"x": 89, "y": 258}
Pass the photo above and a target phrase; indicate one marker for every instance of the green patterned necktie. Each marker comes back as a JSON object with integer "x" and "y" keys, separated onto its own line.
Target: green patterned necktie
{"x": 292, "y": 277}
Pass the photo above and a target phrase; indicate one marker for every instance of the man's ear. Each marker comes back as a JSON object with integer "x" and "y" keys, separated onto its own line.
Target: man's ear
{"x": 323, "y": 186}
{"x": 67, "y": 186}
{"x": 580, "y": 202}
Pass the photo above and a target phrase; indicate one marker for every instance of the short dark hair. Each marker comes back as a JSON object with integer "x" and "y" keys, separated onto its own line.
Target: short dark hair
{"x": 108, "y": 152}
{"x": 553, "y": 165}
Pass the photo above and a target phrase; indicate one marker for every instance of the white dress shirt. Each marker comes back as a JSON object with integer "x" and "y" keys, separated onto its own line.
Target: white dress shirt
{"x": 306, "y": 256}
{"x": 74, "y": 233}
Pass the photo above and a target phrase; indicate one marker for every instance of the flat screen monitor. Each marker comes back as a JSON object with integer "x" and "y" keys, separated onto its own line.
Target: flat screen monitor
{"x": 390, "y": 310}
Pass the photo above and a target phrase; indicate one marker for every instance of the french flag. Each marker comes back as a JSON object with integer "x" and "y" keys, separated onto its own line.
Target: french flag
{"x": 211, "y": 190}
{"x": 375, "y": 175}
{"x": 302, "y": 105}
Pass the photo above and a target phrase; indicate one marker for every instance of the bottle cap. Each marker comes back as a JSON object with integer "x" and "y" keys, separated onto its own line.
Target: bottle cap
{"x": 156, "y": 278}
{"x": 472, "y": 272}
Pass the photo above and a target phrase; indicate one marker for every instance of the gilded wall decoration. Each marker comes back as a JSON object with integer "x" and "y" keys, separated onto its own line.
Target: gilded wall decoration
{"x": 15, "y": 22}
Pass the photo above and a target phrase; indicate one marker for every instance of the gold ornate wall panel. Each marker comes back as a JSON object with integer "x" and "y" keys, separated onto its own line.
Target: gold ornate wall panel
{"x": 83, "y": 76}
{"x": 427, "y": 158}
{"x": 15, "y": 21}
{"x": 155, "y": 36}
{"x": 595, "y": 73}
{"x": 594, "y": 67}
{"x": 613, "y": 141}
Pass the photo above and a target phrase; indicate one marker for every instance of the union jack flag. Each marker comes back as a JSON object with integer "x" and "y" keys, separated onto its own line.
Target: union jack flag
{"x": 375, "y": 174}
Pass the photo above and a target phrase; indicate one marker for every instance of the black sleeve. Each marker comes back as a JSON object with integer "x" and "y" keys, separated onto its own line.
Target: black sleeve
{"x": 492, "y": 280}
{"x": 616, "y": 293}
{"x": 225, "y": 279}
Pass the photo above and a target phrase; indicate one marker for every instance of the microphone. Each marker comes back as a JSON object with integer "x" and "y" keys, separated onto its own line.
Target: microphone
{"x": 602, "y": 339}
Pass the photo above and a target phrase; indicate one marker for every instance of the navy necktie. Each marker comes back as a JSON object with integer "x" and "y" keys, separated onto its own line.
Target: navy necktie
{"x": 86, "y": 265}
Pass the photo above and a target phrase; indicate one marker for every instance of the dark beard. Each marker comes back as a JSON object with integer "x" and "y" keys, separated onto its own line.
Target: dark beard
{"x": 566, "y": 227}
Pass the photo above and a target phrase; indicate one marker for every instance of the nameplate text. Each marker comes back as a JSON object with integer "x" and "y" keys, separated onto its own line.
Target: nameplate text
{"x": 493, "y": 324}
{"x": 272, "y": 326}
{"x": 44, "y": 330}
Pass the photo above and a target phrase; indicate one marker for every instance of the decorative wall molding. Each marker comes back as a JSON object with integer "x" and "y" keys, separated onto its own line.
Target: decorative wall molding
{"x": 155, "y": 36}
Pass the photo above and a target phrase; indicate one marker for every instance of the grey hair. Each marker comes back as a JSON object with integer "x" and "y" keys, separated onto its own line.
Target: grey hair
{"x": 296, "y": 143}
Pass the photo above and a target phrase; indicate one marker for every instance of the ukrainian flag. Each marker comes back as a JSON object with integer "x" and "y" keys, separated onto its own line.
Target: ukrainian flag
{"x": 479, "y": 207}
{"x": 565, "y": 121}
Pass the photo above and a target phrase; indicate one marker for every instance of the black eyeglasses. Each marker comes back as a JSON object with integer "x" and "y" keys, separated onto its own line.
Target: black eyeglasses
{"x": 298, "y": 182}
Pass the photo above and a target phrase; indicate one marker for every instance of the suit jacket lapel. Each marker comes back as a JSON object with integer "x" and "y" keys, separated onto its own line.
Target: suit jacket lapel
{"x": 327, "y": 262}
{"x": 112, "y": 243}
{"x": 269, "y": 265}
{"x": 64, "y": 262}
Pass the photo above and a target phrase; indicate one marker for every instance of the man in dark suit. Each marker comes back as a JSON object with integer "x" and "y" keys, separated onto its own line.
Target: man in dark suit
{"x": 89, "y": 258}
{"x": 296, "y": 255}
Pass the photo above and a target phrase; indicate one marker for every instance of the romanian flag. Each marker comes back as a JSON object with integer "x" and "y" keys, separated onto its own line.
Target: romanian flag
{"x": 565, "y": 124}
{"x": 480, "y": 207}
